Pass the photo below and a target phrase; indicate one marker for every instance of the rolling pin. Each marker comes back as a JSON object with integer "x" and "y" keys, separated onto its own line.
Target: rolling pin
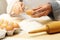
{"x": 51, "y": 27}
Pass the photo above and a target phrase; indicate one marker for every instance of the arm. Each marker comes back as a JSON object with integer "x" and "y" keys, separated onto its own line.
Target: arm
{"x": 45, "y": 9}
{"x": 42, "y": 10}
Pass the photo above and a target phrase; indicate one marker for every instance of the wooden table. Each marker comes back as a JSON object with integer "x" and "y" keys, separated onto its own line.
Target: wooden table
{"x": 39, "y": 36}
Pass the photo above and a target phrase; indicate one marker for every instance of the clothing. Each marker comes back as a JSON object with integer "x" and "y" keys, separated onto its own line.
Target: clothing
{"x": 55, "y": 8}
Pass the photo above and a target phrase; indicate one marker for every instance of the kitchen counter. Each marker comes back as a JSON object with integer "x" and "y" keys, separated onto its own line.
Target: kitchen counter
{"x": 40, "y": 36}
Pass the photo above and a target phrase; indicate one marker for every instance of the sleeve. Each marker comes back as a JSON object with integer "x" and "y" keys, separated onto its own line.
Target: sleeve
{"x": 55, "y": 8}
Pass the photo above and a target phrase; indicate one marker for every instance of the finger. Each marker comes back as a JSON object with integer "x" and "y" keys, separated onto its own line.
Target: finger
{"x": 19, "y": 6}
{"x": 15, "y": 11}
{"x": 36, "y": 8}
{"x": 13, "y": 14}
{"x": 40, "y": 14}
{"x": 23, "y": 7}
{"x": 39, "y": 10}
{"x": 46, "y": 13}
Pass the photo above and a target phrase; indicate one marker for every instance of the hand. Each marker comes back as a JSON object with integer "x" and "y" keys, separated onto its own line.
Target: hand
{"x": 17, "y": 8}
{"x": 43, "y": 10}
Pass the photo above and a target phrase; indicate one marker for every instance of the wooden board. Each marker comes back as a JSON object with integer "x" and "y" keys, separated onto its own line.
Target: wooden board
{"x": 39, "y": 36}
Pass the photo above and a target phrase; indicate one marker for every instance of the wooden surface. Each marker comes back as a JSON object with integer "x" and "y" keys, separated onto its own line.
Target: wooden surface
{"x": 39, "y": 36}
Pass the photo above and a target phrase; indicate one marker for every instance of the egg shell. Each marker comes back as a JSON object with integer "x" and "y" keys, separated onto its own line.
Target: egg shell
{"x": 2, "y": 33}
{"x": 16, "y": 30}
{"x": 3, "y": 26}
{"x": 10, "y": 33}
{"x": 9, "y": 28}
{"x": 15, "y": 25}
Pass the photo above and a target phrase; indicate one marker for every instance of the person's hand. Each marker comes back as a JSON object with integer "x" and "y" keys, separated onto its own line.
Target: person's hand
{"x": 17, "y": 8}
{"x": 43, "y": 10}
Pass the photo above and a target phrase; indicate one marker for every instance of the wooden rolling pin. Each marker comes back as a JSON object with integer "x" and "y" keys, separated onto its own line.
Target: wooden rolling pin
{"x": 52, "y": 27}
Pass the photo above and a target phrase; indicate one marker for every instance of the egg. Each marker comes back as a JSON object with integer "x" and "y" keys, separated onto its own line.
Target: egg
{"x": 29, "y": 12}
{"x": 1, "y": 21}
{"x": 10, "y": 23}
{"x": 5, "y": 22}
{"x": 16, "y": 28}
{"x": 9, "y": 28}
{"x": 15, "y": 25}
{"x": 3, "y": 25}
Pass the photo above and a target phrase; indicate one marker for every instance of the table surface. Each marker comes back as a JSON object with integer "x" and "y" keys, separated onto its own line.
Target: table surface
{"x": 38, "y": 36}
